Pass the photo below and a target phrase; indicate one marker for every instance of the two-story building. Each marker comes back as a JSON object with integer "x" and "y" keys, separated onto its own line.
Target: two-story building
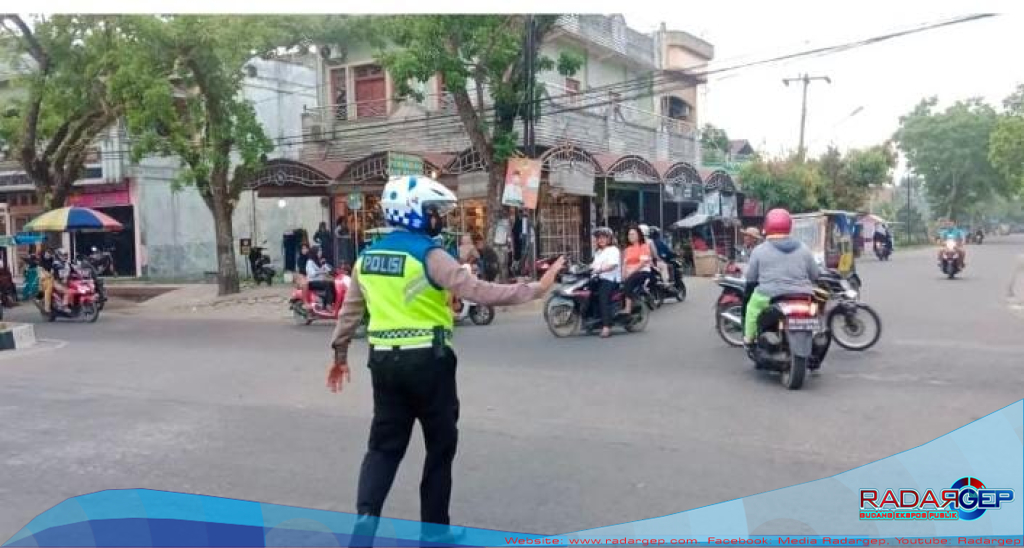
{"x": 617, "y": 140}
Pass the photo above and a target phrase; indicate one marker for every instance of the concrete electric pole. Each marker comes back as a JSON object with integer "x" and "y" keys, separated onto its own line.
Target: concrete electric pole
{"x": 803, "y": 111}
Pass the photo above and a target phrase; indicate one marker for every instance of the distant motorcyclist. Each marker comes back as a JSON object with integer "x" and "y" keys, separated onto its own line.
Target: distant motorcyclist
{"x": 949, "y": 231}
{"x": 779, "y": 266}
{"x": 751, "y": 237}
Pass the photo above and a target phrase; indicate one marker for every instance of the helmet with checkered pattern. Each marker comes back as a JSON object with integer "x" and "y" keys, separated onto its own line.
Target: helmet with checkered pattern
{"x": 412, "y": 201}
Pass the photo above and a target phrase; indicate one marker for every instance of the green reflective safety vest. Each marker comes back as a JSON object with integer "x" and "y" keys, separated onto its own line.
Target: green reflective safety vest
{"x": 404, "y": 304}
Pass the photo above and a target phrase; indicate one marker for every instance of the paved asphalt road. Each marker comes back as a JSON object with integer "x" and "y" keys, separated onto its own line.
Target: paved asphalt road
{"x": 556, "y": 435}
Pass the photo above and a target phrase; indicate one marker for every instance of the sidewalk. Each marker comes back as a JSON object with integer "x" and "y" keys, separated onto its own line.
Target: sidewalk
{"x": 269, "y": 303}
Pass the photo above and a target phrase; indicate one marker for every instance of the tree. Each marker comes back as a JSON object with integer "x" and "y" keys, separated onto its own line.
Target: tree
{"x": 950, "y": 150}
{"x": 1006, "y": 147}
{"x": 849, "y": 178}
{"x": 67, "y": 104}
{"x": 478, "y": 53}
{"x": 714, "y": 143}
{"x": 183, "y": 98}
{"x": 787, "y": 183}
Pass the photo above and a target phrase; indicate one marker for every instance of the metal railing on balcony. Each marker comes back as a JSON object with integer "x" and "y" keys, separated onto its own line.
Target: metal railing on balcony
{"x": 610, "y": 33}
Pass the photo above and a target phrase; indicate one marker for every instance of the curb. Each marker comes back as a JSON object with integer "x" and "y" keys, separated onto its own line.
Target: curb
{"x": 17, "y": 336}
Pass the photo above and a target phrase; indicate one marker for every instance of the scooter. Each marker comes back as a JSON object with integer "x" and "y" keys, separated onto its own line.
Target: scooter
{"x": 569, "y": 309}
{"x": 262, "y": 268}
{"x": 307, "y": 305}
{"x": 882, "y": 251}
{"x": 661, "y": 289}
{"x": 79, "y": 301}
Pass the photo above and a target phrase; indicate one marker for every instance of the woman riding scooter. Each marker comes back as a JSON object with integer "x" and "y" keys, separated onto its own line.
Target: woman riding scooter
{"x": 318, "y": 274}
{"x": 607, "y": 267}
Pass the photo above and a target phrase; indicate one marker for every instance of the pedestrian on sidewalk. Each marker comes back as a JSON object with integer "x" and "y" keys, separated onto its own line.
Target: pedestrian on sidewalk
{"x": 405, "y": 282}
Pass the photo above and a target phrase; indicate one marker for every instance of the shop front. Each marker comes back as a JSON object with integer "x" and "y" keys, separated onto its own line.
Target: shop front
{"x": 565, "y": 218}
{"x": 632, "y": 194}
{"x": 114, "y": 200}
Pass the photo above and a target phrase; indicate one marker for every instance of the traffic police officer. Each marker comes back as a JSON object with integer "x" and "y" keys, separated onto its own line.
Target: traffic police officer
{"x": 404, "y": 281}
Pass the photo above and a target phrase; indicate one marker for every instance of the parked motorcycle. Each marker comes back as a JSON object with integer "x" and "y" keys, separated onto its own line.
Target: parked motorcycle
{"x": 949, "y": 260}
{"x": 262, "y": 268}
{"x": 569, "y": 308}
{"x": 102, "y": 262}
{"x": 661, "y": 289}
{"x": 79, "y": 301}
{"x": 308, "y": 306}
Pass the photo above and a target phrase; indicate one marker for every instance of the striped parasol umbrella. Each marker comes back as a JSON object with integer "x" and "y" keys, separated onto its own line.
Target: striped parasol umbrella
{"x": 73, "y": 219}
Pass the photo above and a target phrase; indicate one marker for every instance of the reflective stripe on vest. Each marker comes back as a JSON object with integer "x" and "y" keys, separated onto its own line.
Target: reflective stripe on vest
{"x": 404, "y": 306}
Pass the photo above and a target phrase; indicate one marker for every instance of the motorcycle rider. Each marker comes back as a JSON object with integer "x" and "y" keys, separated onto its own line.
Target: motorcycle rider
{"x": 949, "y": 231}
{"x": 636, "y": 268}
{"x": 318, "y": 275}
{"x": 883, "y": 237}
{"x": 59, "y": 270}
{"x": 404, "y": 282}
{"x": 607, "y": 267}
{"x": 781, "y": 265}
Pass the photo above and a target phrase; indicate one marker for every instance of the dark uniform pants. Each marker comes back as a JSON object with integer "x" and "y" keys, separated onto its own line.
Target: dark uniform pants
{"x": 410, "y": 385}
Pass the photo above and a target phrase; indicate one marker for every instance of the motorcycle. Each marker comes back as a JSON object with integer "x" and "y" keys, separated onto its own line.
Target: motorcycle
{"x": 661, "y": 289}
{"x": 882, "y": 251}
{"x": 978, "y": 237}
{"x": 847, "y": 319}
{"x": 79, "y": 301}
{"x": 949, "y": 260}
{"x": 262, "y": 268}
{"x": 308, "y": 306}
{"x": 569, "y": 308}
{"x": 102, "y": 262}
{"x": 87, "y": 267}
{"x": 792, "y": 337}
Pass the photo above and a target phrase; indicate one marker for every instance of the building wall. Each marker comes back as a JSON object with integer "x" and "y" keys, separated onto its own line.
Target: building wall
{"x": 176, "y": 228}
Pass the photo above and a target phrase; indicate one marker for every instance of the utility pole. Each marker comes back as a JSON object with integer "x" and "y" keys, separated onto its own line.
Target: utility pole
{"x": 803, "y": 111}
{"x": 529, "y": 138}
{"x": 910, "y": 226}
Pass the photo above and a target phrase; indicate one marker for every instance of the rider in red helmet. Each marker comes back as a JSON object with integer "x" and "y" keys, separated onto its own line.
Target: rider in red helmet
{"x": 778, "y": 266}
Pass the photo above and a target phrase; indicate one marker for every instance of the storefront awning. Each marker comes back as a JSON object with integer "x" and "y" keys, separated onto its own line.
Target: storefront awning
{"x": 694, "y": 220}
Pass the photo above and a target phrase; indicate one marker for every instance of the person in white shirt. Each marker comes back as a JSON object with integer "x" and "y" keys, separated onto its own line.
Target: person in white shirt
{"x": 607, "y": 266}
{"x": 318, "y": 275}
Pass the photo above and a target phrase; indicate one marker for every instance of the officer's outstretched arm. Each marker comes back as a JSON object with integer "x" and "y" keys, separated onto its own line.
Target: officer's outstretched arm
{"x": 446, "y": 272}
{"x": 351, "y": 315}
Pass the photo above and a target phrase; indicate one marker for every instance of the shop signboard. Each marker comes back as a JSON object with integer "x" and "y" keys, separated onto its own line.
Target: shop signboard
{"x": 404, "y": 164}
{"x": 245, "y": 246}
{"x": 355, "y": 201}
{"x": 572, "y": 179}
{"x": 101, "y": 196}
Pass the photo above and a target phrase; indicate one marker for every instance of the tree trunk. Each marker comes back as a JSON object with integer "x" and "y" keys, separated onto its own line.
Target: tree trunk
{"x": 495, "y": 212}
{"x": 227, "y": 270}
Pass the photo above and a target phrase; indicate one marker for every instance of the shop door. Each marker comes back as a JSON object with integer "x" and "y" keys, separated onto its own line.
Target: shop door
{"x": 121, "y": 245}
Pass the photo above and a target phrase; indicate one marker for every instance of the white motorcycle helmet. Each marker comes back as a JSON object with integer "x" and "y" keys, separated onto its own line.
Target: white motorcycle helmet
{"x": 412, "y": 200}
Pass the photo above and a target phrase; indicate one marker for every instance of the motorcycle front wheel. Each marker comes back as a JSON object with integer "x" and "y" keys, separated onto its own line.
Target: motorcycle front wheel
{"x": 562, "y": 318}
{"x": 729, "y": 324}
{"x": 90, "y": 312}
{"x": 680, "y": 291}
{"x": 855, "y": 326}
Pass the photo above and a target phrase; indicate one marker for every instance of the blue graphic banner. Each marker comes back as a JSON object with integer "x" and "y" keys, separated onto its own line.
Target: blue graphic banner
{"x": 963, "y": 488}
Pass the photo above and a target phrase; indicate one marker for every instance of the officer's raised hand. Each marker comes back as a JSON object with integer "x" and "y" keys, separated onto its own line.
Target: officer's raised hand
{"x": 549, "y": 277}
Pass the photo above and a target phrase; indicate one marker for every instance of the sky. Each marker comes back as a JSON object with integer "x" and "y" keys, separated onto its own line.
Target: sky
{"x": 885, "y": 80}
{"x": 881, "y": 81}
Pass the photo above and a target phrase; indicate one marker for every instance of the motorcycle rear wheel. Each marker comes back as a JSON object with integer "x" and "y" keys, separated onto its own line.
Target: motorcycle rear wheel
{"x": 793, "y": 378}
{"x": 680, "y": 291}
{"x": 300, "y": 317}
{"x": 639, "y": 320}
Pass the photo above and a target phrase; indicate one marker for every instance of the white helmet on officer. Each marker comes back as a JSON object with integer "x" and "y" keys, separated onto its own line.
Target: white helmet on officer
{"x": 417, "y": 203}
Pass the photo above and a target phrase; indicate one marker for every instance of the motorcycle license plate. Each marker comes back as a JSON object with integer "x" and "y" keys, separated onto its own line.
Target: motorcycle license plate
{"x": 802, "y": 324}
